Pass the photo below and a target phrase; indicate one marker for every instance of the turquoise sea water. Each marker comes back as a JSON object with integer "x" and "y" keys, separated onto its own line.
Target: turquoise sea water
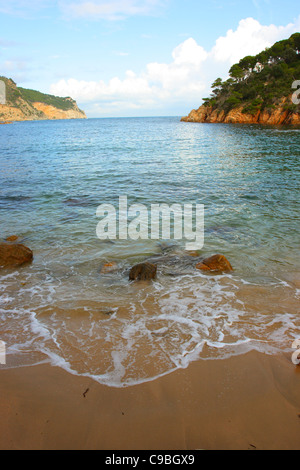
{"x": 54, "y": 175}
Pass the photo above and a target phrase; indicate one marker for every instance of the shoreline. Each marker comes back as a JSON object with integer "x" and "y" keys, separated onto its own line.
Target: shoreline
{"x": 276, "y": 118}
{"x": 245, "y": 402}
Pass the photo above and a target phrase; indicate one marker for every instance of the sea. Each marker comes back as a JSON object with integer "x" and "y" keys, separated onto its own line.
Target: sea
{"x": 74, "y": 306}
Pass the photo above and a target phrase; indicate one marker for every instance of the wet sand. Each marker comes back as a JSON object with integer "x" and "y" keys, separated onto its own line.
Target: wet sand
{"x": 246, "y": 402}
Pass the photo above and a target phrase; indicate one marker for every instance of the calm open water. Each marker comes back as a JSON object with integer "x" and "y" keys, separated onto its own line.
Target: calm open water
{"x": 62, "y": 309}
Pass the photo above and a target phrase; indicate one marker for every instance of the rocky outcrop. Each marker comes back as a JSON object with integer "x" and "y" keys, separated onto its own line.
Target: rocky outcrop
{"x": 276, "y": 117}
{"x": 22, "y": 111}
{"x": 51, "y": 112}
{"x": 12, "y": 238}
{"x": 216, "y": 263}
{"x": 22, "y": 105}
{"x": 14, "y": 255}
{"x": 143, "y": 272}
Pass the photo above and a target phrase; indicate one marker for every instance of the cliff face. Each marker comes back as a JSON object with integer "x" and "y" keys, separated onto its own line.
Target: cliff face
{"x": 51, "y": 112}
{"x": 278, "y": 116}
{"x": 19, "y": 113}
{"x": 28, "y": 105}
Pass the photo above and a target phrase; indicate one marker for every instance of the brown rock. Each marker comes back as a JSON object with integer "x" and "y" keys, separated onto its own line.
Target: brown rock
{"x": 198, "y": 115}
{"x": 14, "y": 255}
{"x": 195, "y": 254}
{"x": 275, "y": 117}
{"x": 215, "y": 263}
{"x": 143, "y": 272}
{"x": 13, "y": 238}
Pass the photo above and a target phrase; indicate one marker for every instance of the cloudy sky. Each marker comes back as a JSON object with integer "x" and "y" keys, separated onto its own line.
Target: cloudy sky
{"x": 135, "y": 57}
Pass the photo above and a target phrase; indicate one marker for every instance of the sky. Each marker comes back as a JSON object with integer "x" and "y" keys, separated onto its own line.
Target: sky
{"x": 127, "y": 58}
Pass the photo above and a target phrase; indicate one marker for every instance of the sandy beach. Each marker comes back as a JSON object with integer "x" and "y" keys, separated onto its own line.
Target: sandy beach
{"x": 246, "y": 402}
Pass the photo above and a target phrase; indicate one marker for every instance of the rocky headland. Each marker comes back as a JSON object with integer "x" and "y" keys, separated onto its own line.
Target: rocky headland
{"x": 277, "y": 117}
{"x": 259, "y": 90}
{"x": 29, "y": 105}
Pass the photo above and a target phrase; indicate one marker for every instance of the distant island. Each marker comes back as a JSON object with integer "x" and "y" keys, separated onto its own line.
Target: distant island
{"x": 29, "y": 105}
{"x": 259, "y": 89}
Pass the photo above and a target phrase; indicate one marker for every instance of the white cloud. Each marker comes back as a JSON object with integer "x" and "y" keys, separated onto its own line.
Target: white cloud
{"x": 182, "y": 82}
{"x": 189, "y": 53}
{"x": 157, "y": 84}
{"x": 130, "y": 87}
{"x": 250, "y": 38}
{"x": 183, "y": 74}
{"x": 109, "y": 9}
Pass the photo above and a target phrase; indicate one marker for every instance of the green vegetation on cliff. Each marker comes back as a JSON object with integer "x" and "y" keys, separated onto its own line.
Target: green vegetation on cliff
{"x": 23, "y": 104}
{"x": 15, "y": 93}
{"x": 260, "y": 82}
{"x": 36, "y": 96}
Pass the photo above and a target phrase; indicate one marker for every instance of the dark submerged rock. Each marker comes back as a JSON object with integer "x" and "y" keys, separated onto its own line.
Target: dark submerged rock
{"x": 143, "y": 272}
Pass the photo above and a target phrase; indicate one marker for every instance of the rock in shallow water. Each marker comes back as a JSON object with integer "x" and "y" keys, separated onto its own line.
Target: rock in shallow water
{"x": 12, "y": 238}
{"x": 14, "y": 255}
{"x": 143, "y": 272}
{"x": 215, "y": 263}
